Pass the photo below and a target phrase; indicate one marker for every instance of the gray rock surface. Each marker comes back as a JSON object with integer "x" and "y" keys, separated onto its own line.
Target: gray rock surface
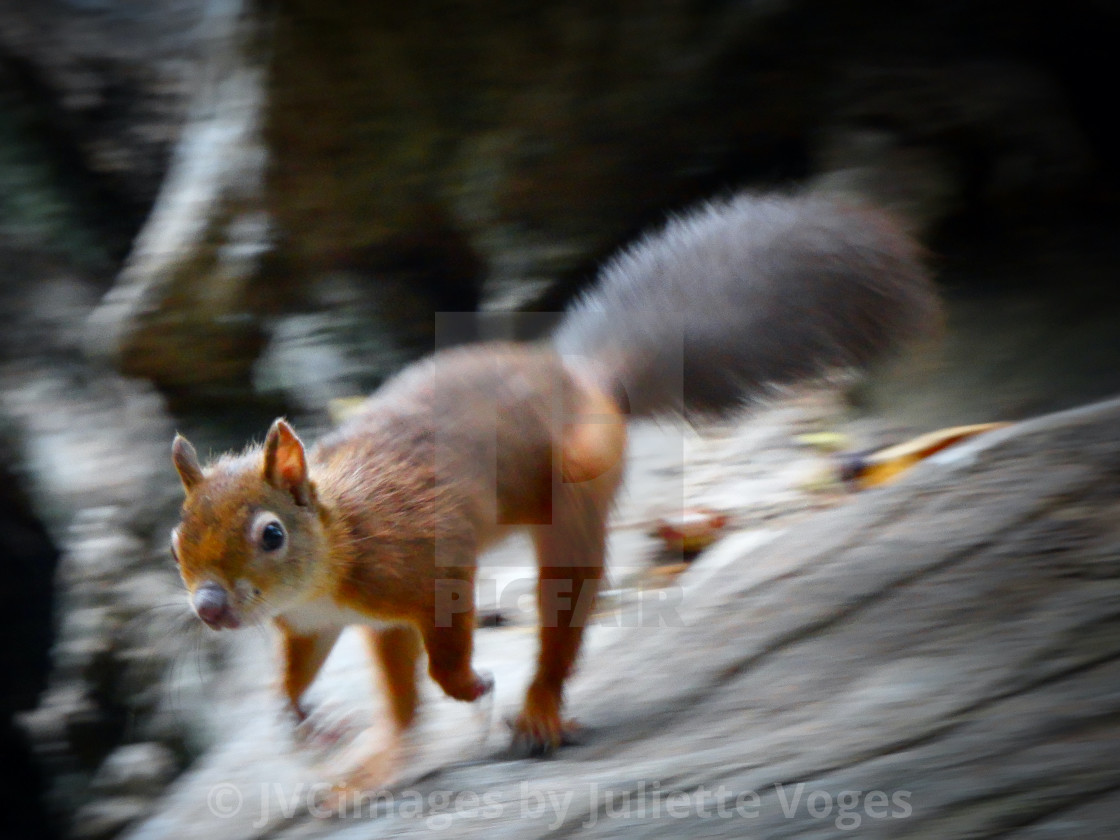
{"x": 935, "y": 658}
{"x": 141, "y": 769}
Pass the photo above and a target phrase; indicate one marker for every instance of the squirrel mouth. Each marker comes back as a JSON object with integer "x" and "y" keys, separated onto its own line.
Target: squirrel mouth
{"x": 227, "y": 621}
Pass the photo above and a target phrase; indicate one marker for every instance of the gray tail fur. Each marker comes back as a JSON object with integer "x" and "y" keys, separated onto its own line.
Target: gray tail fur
{"x": 744, "y": 295}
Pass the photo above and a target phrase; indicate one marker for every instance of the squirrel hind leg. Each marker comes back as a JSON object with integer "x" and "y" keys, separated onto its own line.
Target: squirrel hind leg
{"x": 570, "y": 553}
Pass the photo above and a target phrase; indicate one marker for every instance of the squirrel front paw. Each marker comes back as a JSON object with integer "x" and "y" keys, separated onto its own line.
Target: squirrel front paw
{"x": 484, "y": 684}
{"x": 463, "y": 683}
{"x": 350, "y": 795}
{"x": 326, "y": 727}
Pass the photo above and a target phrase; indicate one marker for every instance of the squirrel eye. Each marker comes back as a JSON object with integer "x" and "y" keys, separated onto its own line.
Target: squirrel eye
{"x": 175, "y": 547}
{"x": 272, "y": 536}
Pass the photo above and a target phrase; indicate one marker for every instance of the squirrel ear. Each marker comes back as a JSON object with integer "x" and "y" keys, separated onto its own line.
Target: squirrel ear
{"x": 186, "y": 463}
{"x": 285, "y": 464}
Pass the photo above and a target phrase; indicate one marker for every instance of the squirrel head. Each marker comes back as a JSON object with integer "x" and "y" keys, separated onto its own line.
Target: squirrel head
{"x": 251, "y": 536}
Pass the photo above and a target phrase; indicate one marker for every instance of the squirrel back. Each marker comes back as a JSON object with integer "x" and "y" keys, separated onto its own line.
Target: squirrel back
{"x": 745, "y": 294}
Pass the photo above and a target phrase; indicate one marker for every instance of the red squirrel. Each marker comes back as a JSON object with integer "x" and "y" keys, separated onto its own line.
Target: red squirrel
{"x": 381, "y": 522}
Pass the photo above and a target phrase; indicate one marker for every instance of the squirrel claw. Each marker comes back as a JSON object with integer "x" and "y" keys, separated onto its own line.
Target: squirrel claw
{"x": 538, "y": 738}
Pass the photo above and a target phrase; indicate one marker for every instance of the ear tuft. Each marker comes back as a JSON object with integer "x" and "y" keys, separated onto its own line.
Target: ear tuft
{"x": 186, "y": 463}
{"x": 285, "y": 462}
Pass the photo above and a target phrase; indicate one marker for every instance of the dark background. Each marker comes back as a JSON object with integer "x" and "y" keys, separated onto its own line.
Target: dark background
{"x": 331, "y": 174}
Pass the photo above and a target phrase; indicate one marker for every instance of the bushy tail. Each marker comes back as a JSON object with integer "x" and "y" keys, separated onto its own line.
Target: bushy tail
{"x": 746, "y": 294}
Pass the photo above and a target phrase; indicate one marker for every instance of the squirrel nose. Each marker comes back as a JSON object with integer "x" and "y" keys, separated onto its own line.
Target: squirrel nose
{"x": 211, "y": 602}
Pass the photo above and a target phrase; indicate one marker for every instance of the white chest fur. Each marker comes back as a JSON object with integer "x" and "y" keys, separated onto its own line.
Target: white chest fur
{"x": 326, "y": 614}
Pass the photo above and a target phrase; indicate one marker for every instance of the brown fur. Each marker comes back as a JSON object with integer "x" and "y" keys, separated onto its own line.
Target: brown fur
{"x": 400, "y": 501}
{"x": 385, "y": 517}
